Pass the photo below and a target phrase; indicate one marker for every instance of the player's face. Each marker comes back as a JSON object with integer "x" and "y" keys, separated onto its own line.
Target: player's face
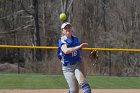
{"x": 68, "y": 30}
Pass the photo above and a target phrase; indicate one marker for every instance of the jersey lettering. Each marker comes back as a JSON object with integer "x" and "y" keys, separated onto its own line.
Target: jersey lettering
{"x": 74, "y": 53}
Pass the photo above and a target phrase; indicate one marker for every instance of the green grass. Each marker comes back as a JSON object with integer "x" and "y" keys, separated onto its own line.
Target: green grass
{"x": 114, "y": 82}
{"x": 40, "y": 81}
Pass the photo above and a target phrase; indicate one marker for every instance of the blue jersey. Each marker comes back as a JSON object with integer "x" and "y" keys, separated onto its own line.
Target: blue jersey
{"x": 71, "y": 57}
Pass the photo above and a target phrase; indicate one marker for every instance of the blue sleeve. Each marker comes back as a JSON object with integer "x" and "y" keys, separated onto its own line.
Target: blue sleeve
{"x": 61, "y": 42}
{"x": 59, "y": 49}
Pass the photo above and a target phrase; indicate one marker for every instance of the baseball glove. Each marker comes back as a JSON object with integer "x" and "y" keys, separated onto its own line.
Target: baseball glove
{"x": 94, "y": 56}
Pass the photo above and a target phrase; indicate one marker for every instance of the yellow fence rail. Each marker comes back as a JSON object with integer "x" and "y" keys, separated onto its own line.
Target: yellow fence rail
{"x": 54, "y": 47}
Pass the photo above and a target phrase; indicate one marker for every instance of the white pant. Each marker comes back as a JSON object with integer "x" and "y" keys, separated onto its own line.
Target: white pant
{"x": 74, "y": 75}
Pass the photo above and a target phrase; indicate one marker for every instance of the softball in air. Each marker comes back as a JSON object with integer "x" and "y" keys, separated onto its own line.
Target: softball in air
{"x": 62, "y": 16}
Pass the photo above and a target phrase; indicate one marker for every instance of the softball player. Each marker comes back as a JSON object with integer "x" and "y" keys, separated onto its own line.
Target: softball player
{"x": 69, "y": 54}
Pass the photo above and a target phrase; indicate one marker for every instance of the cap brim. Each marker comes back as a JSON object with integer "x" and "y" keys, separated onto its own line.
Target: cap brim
{"x": 65, "y": 24}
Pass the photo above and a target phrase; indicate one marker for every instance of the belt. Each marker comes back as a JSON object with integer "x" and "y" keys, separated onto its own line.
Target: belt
{"x": 66, "y": 64}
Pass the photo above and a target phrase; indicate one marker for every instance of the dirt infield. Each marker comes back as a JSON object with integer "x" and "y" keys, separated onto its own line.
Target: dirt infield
{"x": 64, "y": 91}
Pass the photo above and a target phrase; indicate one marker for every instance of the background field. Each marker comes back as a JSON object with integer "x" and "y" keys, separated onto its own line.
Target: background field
{"x": 100, "y": 23}
{"x": 43, "y": 81}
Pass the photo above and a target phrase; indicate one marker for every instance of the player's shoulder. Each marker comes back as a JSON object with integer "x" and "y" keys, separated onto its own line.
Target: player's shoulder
{"x": 63, "y": 39}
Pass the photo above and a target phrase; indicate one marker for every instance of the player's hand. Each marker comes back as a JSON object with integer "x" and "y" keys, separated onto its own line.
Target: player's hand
{"x": 84, "y": 45}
